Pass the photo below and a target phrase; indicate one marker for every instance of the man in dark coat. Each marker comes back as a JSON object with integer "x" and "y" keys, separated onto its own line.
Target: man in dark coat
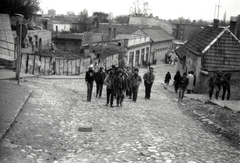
{"x": 136, "y": 80}
{"x": 120, "y": 86}
{"x": 226, "y": 85}
{"x": 109, "y": 82}
{"x": 89, "y": 78}
{"x": 129, "y": 85}
{"x": 215, "y": 83}
{"x": 148, "y": 78}
{"x": 167, "y": 78}
{"x": 183, "y": 83}
{"x": 177, "y": 78}
{"x": 99, "y": 79}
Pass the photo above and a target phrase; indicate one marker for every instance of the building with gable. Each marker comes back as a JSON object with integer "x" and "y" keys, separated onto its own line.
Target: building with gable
{"x": 213, "y": 49}
{"x": 161, "y": 43}
{"x": 138, "y": 49}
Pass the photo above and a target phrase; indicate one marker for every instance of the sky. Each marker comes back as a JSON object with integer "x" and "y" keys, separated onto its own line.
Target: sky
{"x": 164, "y": 9}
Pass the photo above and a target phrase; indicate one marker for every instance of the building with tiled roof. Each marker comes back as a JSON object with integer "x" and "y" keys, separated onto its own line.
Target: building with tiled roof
{"x": 151, "y": 22}
{"x": 213, "y": 49}
{"x": 161, "y": 42}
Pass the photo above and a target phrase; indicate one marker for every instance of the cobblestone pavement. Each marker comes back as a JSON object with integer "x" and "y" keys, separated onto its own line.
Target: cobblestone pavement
{"x": 148, "y": 131}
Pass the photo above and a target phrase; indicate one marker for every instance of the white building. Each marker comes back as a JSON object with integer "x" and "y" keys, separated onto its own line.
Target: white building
{"x": 138, "y": 49}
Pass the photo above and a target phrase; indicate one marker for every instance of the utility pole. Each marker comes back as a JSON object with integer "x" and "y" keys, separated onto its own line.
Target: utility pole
{"x": 21, "y": 33}
{"x": 19, "y": 18}
{"x": 102, "y": 49}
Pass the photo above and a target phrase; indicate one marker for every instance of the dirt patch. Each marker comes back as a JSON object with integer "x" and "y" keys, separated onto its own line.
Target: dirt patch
{"x": 223, "y": 122}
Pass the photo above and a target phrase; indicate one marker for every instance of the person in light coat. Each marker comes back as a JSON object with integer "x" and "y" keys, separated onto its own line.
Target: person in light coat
{"x": 190, "y": 82}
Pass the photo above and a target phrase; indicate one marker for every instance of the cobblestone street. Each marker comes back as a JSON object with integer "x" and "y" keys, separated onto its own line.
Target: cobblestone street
{"x": 148, "y": 131}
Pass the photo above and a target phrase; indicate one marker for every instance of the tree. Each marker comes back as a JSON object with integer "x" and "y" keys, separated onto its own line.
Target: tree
{"x": 84, "y": 20}
{"x": 24, "y": 7}
{"x": 83, "y": 16}
{"x": 122, "y": 19}
{"x": 102, "y": 17}
{"x": 70, "y": 13}
{"x": 139, "y": 8}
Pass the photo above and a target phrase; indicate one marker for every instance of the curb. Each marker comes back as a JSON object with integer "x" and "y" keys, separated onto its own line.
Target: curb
{"x": 46, "y": 77}
{"x": 13, "y": 78}
{"x": 19, "y": 108}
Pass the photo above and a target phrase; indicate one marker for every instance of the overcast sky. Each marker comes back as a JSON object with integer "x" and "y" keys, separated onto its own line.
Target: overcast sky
{"x": 164, "y": 9}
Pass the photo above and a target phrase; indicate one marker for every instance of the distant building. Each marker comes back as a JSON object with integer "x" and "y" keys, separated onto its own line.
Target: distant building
{"x": 185, "y": 31}
{"x": 150, "y": 22}
{"x": 51, "y": 12}
{"x": 161, "y": 43}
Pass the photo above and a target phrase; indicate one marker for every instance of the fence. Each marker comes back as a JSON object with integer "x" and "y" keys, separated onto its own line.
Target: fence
{"x": 47, "y": 65}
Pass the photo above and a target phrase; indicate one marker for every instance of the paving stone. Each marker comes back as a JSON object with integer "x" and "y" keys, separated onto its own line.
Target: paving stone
{"x": 85, "y": 128}
{"x": 147, "y": 131}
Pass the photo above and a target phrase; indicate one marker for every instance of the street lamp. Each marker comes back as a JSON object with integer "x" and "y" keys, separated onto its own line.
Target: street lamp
{"x": 19, "y": 19}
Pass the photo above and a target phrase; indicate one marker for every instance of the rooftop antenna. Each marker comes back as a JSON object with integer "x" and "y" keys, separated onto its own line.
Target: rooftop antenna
{"x": 215, "y": 11}
{"x": 218, "y": 8}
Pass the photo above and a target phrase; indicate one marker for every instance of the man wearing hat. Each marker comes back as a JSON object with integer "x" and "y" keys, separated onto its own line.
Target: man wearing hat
{"x": 148, "y": 78}
{"x": 136, "y": 80}
{"x": 89, "y": 78}
{"x": 99, "y": 78}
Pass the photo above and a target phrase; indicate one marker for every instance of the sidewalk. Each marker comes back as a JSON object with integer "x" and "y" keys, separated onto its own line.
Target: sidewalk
{"x": 12, "y": 99}
{"x": 6, "y": 74}
{"x": 230, "y": 104}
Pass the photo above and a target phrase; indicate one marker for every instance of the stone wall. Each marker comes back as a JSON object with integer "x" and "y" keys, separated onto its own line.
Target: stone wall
{"x": 36, "y": 40}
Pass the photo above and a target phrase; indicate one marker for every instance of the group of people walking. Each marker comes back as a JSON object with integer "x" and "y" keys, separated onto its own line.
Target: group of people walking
{"x": 120, "y": 83}
{"x": 187, "y": 82}
{"x": 218, "y": 81}
{"x": 182, "y": 83}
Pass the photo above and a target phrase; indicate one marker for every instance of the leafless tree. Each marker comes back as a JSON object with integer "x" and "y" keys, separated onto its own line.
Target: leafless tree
{"x": 139, "y": 8}
{"x": 83, "y": 16}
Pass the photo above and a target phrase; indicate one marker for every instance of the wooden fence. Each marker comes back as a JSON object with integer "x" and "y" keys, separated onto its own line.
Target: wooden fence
{"x": 46, "y": 65}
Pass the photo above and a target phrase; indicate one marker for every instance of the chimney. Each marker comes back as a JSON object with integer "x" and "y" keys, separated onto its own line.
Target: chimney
{"x": 215, "y": 23}
{"x": 238, "y": 27}
{"x": 233, "y": 24}
{"x": 109, "y": 33}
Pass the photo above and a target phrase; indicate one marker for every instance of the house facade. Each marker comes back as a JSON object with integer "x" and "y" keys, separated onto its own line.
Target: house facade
{"x": 61, "y": 27}
{"x": 161, "y": 43}
{"x": 69, "y": 42}
{"x": 138, "y": 49}
{"x": 213, "y": 49}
